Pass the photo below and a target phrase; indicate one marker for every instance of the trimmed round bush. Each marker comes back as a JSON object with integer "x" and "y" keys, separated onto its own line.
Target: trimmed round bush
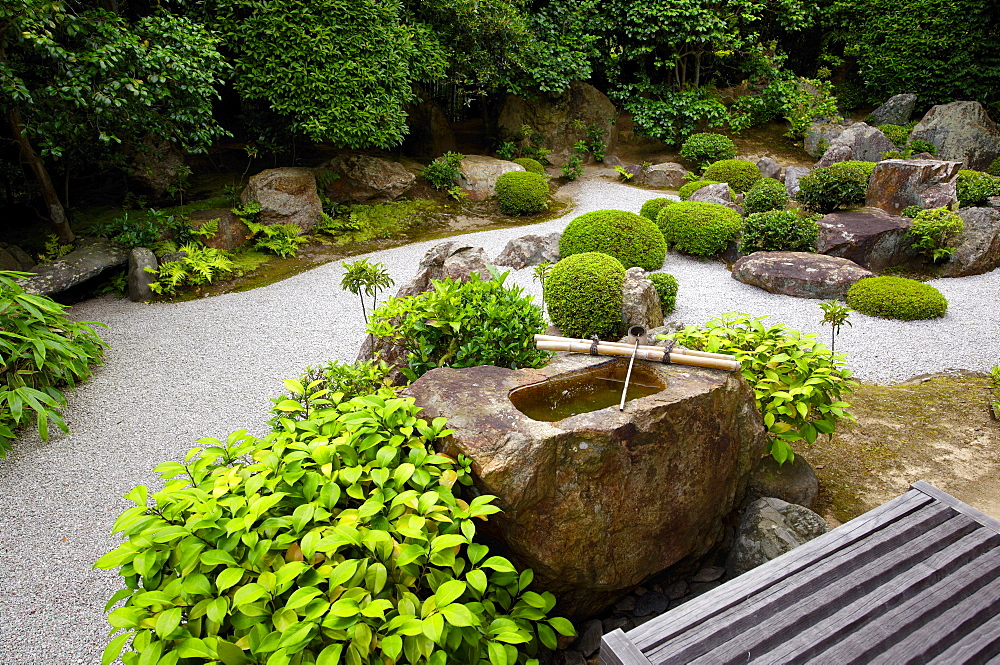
{"x": 699, "y": 228}
{"x": 739, "y": 173}
{"x": 584, "y": 295}
{"x": 706, "y": 148}
{"x": 666, "y": 288}
{"x": 994, "y": 168}
{"x": 630, "y": 238}
{"x": 766, "y": 194}
{"x": 651, "y": 208}
{"x": 522, "y": 193}
{"x": 974, "y": 187}
{"x": 779, "y": 231}
{"x": 690, "y": 188}
{"x": 530, "y": 165}
{"x": 896, "y": 298}
{"x": 839, "y": 185}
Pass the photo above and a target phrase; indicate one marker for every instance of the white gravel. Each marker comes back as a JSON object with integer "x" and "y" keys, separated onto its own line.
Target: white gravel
{"x": 178, "y": 372}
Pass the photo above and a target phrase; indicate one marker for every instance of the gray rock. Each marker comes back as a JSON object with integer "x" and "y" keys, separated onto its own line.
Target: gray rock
{"x": 676, "y": 590}
{"x": 711, "y": 192}
{"x": 157, "y": 164}
{"x": 139, "y": 278}
{"x": 792, "y": 175}
{"x": 570, "y": 658}
{"x": 7, "y": 261}
{"x": 626, "y": 604}
{"x": 478, "y": 175}
{"x": 771, "y": 527}
{"x": 860, "y": 142}
{"x": 993, "y": 202}
{"x": 640, "y": 301}
{"x": 172, "y": 256}
{"x": 612, "y": 624}
{"x": 668, "y": 175}
{"x": 232, "y": 231}
{"x": 698, "y": 588}
{"x": 447, "y": 259}
{"x": 88, "y": 261}
{"x": 794, "y": 482}
{"x": 899, "y": 183}
{"x": 820, "y": 135}
{"x": 19, "y": 258}
{"x": 896, "y": 111}
{"x": 977, "y": 249}
{"x": 286, "y": 195}
{"x": 769, "y": 168}
{"x": 870, "y": 237}
{"x": 709, "y": 574}
{"x": 529, "y": 250}
{"x": 611, "y": 161}
{"x": 961, "y": 132}
{"x": 361, "y": 177}
{"x": 651, "y": 603}
{"x": 799, "y": 274}
{"x": 590, "y": 637}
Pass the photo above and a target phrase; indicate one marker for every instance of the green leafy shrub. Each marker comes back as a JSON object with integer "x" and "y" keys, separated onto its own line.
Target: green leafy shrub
{"x": 898, "y": 134}
{"x": 584, "y": 294}
{"x": 739, "y": 173}
{"x": 919, "y": 145}
{"x": 522, "y": 192}
{"x": 974, "y": 187}
{"x": 699, "y": 228}
{"x": 994, "y": 168}
{"x": 443, "y": 172}
{"x": 530, "y": 165}
{"x": 200, "y": 265}
{"x": 157, "y": 229}
{"x": 632, "y": 239}
{"x": 798, "y": 382}
{"x": 666, "y": 287}
{"x": 651, "y": 208}
{"x": 896, "y": 298}
{"x": 463, "y": 324}
{"x": 689, "y": 188}
{"x": 779, "y": 231}
{"x": 765, "y": 194}
{"x": 280, "y": 239}
{"x": 41, "y": 352}
{"x": 839, "y": 185}
{"x": 706, "y": 148}
{"x": 910, "y": 211}
{"x": 341, "y": 538}
{"x": 573, "y": 168}
{"x": 672, "y": 116}
{"x": 321, "y": 385}
{"x": 797, "y": 100}
{"x": 933, "y": 232}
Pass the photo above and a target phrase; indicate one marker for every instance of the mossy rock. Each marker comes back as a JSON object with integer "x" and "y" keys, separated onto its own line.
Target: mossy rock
{"x": 630, "y": 238}
{"x": 896, "y": 298}
{"x": 739, "y": 173}
{"x": 584, "y": 295}
{"x": 522, "y": 192}
{"x": 699, "y": 228}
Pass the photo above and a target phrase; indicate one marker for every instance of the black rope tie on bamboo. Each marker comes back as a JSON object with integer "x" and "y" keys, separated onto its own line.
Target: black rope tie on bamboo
{"x": 593, "y": 345}
{"x": 666, "y": 353}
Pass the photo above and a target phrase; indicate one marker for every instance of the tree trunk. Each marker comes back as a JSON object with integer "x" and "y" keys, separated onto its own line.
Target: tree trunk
{"x": 57, "y": 214}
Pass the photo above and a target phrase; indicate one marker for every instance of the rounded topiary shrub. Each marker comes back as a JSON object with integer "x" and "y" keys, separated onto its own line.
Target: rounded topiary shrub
{"x": 522, "y": 192}
{"x": 584, "y": 295}
{"x": 778, "y": 231}
{"x": 706, "y": 148}
{"x": 651, "y": 208}
{"x": 690, "y": 188}
{"x": 766, "y": 194}
{"x": 666, "y": 288}
{"x": 630, "y": 238}
{"x": 699, "y": 228}
{"x": 994, "y": 167}
{"x": 530, "y": 165}
{"x": 896, "y": 298}
{"x": 974, "y": 187}
{"x": 739, "y": 173}
{"x": 839, "y": 185}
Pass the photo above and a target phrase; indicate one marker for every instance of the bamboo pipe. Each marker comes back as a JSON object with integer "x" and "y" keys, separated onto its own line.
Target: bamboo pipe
{"x": 677, "y": 349}
{"x": 654, "y": 353}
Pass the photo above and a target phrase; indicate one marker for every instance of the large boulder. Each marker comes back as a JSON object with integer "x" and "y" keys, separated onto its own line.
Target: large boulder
{"x": 961, "y": 132}
{"x": 142, "y": 267}
{"x": 286, "y": 196}
{"x": 899, "y": 183}
{"x": 977, "y": 248}
{"x": 820, "y": 135}
{"x": 640, "y": 301}
{"x": 597, "y": 502}
{"x": 561, "y": 118}
{"x": 90, "y": 260}
{"x": 870, "y": 237}
{"x": 447, "y": 259}
{"x": 771, "y": 527}
{"x": 13, "y": 257}
{"x": 668, "y": 175}
{"x": 478, "y": 175}
{"x": 799, "y": 274}
{"x": 158, "y": 165}
{"x": 769, "y": 168}
{"x": 859, "y": 142}
{"x": 794, "y": 482}
{"x": 231, "y": 232}
{"x": 529, "y": 250}
{"x": 896, "y": 111}
{"x": 362, "y": 177}
{"x": 792, "y": 175}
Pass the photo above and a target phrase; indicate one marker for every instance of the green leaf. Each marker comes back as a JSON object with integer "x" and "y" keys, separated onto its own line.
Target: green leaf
{"x": 217, "y": 558}
{"x": 167, "y": 622}
{"x": 392, "y": 646}
{"x": 562, "y": 626}
{"x": 228, "y": 578}
{"x": 499, "y": 564}
{"x": 498, "y": 655}
{"x": 230, "y": 654}
{"x": 477, "y": 580}
{"x": 301, "y": 597}
{"x": 459, "y": 615}
{"x": 114, "y": 649}
{"x": 448, "y": 592}
{"x": 249, "y": 593}
{"x": 330, "y": 655}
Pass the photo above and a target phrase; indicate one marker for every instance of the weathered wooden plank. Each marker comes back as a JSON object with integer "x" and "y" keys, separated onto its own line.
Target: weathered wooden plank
{"x": 780, "y": 625}
{"x": 618, "y": 649}
{"x": 960, "y": 506}
{"x": 699, "y": 610}
{"x": 859, "y": 568}
{"x": 978, "y": 646}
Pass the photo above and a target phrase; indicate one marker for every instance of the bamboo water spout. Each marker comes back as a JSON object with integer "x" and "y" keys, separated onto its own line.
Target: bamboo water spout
{"x": 675, "y": 355}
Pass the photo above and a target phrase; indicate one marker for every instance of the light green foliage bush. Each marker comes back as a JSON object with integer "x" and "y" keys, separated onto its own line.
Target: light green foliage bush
{"x": 632, "y": 239}
{"x": 779, "y": 231}
{"x": 672, "y": 116}
{"x": 898, "y": 134}
{"x": 651, "y": 208}
{"x": 159, "y": 230}
{"x": 706, "y": 148}
{"x": 797, "y": 100}
{"x": 740, "y": 174}
{"x": 934, "y": 231}
{"x": 798, "y": 382}
{"x": 918, "y": 145}
{"x": 365, "y": 377}
{"x": 443, "y": 172}
{"x": 463, "y": 324}
{"x": 666, "y": 287}
{"x": 200, "y": 265}
{"x": 974, "y": 187}
{"x": 280, "y": 239}
{"x": 522, "y": 192}
{"x": 896, "y": 298}
{"x": 994, "y": 168}
{"x": 529, "y": 164}
{"x": 910, "y": 211}
{"x": 340, "y": 538}
{"x": 699, "y": 228}
{"x": 839, "y": 185}
{"x": 41, "y": 352}
{"x": 584, "y": 294}
{"x": 689, "y": 188}
{"x": 765, "y": 194}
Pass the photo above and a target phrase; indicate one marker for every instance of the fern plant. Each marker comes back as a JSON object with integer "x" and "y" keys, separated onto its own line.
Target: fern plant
{"x": 280, "y": 239}
{"x": 200, "y": 265}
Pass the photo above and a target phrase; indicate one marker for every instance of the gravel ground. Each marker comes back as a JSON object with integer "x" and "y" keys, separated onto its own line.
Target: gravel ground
{"x": 178, "y": 372}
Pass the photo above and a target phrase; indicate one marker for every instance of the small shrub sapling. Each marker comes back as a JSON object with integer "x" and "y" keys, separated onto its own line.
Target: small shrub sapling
{"x": 362, "y": 278}
{"x": 835, "y": 315}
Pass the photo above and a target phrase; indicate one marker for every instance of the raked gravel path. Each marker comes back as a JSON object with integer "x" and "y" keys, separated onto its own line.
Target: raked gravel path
{"x": 176, "y": 372}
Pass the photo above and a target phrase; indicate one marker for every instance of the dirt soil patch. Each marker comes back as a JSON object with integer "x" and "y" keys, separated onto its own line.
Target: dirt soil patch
{"x": 938, "y": 429}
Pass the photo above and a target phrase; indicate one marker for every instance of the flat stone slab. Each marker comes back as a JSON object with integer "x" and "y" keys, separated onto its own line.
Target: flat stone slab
{"x": 799, "y": 274}
{"x": 870, "y": 237}
{"x": 80, "y": 265}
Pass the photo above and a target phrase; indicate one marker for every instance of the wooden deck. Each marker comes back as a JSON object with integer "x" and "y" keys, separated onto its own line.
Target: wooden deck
{"x": 916, "y": 580}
